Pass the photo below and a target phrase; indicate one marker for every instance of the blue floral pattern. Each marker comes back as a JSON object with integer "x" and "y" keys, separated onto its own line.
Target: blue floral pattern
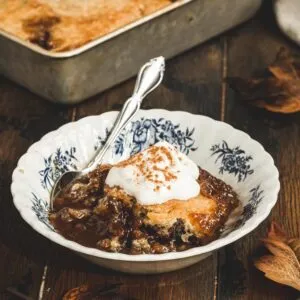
{"x": 41, "y": 208}
{"x": 233, "y": 160}
{"x": 251, "y": 207}
{"x": 146, "y": 132}
{"x": 56, "y": 164}
{"x": 256, "y": 195}
{"x": 138, "y": 136}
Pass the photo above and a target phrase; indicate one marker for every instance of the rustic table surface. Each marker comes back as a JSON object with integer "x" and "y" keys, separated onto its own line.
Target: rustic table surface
{"x": 31, "y": 267}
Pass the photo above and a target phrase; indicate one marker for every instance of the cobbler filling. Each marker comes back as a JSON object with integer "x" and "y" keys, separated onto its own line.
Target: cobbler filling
{"x": 85, "y": 213}
{"x": 62, "y": 25}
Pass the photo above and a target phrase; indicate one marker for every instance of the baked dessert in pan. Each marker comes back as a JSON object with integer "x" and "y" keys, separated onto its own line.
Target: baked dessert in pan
{"x": 61, "y": 25}
{"x": 156, "y": 201}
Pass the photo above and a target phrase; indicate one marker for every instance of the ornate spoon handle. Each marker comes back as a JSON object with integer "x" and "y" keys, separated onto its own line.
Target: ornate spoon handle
{"x": 149, "y": 77}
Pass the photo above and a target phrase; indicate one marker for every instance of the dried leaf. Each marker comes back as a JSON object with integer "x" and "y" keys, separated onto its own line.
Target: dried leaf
{"x": 283, "y": 266}
{"x": 278, "y": 90}
{"x": 295, "y": 245}
{"x": 277, "y": 270}
{"x": 286, "y": 67}
{"x": 276, "y": 233}
{"x": 89, "y": 292}
{"x": 76, "y": 293}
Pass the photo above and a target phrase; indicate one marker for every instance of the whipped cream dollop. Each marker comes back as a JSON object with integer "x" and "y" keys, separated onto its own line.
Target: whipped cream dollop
{"x": 156, "y": 175}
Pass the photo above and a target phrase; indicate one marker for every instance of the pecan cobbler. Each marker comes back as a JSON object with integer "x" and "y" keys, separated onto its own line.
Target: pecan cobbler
{"x": 156, "y": 201}
{"x": 61, "y": 25}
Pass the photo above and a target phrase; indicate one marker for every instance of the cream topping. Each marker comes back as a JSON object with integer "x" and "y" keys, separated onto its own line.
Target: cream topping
{"x": 156, "y": 175}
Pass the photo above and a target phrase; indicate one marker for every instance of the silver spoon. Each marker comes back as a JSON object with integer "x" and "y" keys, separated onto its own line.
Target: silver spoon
{"x": 149, "y": 77}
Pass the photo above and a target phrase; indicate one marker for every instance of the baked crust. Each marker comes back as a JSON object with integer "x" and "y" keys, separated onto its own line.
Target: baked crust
{"x": 98, "y": 216}
{"x": 68, "y": 24}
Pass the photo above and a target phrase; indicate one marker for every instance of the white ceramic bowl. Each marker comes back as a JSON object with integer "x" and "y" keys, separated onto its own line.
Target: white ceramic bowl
{"x": 227, "y": 153}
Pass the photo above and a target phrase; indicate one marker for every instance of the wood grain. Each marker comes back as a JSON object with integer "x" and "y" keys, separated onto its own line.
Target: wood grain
{"x": 250, "y": 49}
{"x": 192, "y": 83}
{"x": 23, "y": 120}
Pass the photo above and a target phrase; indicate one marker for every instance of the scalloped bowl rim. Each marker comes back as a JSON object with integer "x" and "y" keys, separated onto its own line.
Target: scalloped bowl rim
{"x": 221, "y": 242}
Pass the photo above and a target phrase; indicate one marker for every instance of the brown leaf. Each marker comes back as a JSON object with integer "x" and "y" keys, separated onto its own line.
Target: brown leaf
{"x": 278, "y": 270}
{"x": 283, "y": 266}
{"x": 285, "y": 67}
{"x": 89, "y": 292}
{"x": 295, "y": 245}
{"x": 76, "y": 293}
{"x": 278, "y": 90}
{"x": 276, "y": 232}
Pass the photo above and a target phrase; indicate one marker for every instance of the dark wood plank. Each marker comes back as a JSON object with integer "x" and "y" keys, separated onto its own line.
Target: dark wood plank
{"x": 24, "y": 118}
{"x": 251, "y": 48}
{"x": 192, "y": 83}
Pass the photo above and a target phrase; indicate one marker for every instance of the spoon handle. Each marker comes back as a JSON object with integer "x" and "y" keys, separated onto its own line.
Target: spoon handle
{"x": 149, "y": 77}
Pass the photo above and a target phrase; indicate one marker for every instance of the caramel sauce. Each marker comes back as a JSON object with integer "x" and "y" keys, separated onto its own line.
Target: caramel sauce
{"x": 98, "y": 216}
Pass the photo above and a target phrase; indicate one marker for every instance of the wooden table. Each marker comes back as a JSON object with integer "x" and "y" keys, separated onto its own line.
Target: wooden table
{"x": 39, "y": 269}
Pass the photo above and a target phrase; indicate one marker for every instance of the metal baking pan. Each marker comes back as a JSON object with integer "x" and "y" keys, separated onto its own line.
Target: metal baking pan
{"x": 72, "y": 76}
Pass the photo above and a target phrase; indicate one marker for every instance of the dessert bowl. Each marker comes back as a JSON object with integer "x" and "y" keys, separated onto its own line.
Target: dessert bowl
{"x": 227, "y": 153}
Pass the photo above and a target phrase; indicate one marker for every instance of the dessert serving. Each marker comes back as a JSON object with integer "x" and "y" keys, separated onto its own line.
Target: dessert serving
{"x": 156, "y": 201}
{"x": 68, "y": 24}
{"x": 220, "y": 150}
